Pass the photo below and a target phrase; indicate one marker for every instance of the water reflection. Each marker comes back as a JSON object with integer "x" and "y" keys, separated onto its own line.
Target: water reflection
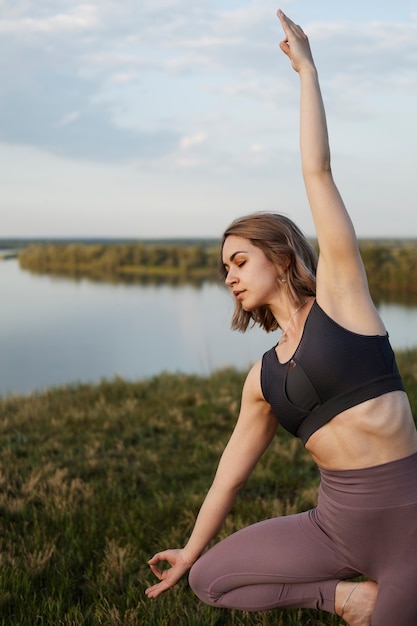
{"x": 135, "y": 278}
{"x": 57, "y": 331}
{"x": 406, "y": 300}
{"x": 131, "y": 278}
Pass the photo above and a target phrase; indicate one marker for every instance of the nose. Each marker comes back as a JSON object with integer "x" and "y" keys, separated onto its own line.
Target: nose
{"x": 230, "y": 278}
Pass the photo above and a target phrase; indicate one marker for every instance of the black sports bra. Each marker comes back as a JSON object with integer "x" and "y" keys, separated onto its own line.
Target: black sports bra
{"x": 331, "y": 370}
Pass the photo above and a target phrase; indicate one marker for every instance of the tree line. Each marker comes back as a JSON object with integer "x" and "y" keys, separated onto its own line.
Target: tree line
{"x": 391, "y": 266}
{"x": 127, "y": 261}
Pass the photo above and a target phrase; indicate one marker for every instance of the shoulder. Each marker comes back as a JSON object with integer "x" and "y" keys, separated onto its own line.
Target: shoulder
{"x": 343, "y": 294}
{"x": 355, "y": 312}
{"x": 255, "y": 416}
{"x": 252, "y": 388}
{"x": 253, "y": 378}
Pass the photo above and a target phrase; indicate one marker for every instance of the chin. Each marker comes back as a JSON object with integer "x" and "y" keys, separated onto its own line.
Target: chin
{"x": 247, "y": 308}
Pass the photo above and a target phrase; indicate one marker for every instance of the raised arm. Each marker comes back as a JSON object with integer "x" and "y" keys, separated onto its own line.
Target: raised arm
{"x": 253, "y": 433}
{"x": 340, "y": 272}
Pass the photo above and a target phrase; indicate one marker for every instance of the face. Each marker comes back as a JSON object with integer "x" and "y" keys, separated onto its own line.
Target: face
{"x": 252, "y": 278}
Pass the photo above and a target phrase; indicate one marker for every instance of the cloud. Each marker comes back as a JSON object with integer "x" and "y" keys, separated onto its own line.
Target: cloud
{"x": 69, "y": 118}
{"x": 193, "y": 140}
{"x": 61, "y": 122}
{"x": 372, "y": 49}
{"x": 50, "y": 93}
{"x": 81, "y": 17}
{"x": 117, "y": 81}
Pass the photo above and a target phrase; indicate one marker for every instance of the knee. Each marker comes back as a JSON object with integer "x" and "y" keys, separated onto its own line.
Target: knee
{"x": 199, "y": 581}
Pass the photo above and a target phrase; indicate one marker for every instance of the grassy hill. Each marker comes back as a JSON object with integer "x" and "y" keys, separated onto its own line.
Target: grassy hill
{"x": 96, "y": 478}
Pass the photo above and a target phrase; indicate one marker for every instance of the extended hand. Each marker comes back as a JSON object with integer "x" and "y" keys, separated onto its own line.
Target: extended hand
{"x": 295, "y": 45}
{"x": 168, "y": 577}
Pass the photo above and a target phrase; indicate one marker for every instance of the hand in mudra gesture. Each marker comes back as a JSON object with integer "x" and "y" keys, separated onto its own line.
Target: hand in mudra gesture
{"x": 168, "y": 577}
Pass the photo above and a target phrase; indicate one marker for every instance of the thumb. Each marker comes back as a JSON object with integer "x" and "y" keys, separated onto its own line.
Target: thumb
{"x": 285, "y": 47}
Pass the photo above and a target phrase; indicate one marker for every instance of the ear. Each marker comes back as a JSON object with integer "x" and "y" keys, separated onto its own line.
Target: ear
{"x": 283, "y": 269}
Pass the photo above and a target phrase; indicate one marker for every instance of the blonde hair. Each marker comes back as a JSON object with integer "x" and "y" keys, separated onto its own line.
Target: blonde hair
{"x": 284, "y": 245}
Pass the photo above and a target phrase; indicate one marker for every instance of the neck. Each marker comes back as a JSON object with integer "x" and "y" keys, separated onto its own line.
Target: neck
{"x": 286, "y": 327}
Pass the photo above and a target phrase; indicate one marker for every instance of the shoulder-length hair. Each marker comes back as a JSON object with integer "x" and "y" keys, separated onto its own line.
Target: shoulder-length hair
{"x": 284, "y": 245}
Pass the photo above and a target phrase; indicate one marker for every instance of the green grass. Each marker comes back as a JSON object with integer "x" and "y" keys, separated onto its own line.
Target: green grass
{"x": 95, "y": 479}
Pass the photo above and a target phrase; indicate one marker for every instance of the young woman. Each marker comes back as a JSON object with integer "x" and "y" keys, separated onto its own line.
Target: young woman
{"x": 331, "y": 380}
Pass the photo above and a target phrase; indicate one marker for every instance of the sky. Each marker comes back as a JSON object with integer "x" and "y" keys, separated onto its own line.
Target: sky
{"x": 169, "y": 118}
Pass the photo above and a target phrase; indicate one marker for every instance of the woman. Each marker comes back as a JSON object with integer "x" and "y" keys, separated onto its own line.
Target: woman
{"x": 331, "y": 380}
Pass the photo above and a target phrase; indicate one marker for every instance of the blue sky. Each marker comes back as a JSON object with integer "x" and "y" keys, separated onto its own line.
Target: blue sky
{"x": 169, "y": 118}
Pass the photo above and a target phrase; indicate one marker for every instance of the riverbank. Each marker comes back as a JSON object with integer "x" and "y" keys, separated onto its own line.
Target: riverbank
{"x": 391, "y": 265}
{"x": 96, "y": 478}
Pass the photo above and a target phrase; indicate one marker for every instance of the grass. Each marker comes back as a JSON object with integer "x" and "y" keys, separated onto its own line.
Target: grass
{"x": 96, "y": 478}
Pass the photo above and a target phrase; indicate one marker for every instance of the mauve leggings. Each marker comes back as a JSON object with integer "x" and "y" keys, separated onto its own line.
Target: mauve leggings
{"x": 365, "y": 523}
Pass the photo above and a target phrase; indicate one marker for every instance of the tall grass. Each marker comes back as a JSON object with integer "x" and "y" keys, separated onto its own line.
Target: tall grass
{"x": 95, "y": 479}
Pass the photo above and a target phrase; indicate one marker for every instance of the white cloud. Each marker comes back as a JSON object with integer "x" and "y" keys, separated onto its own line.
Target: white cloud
{"x": 371, "y": 48}
{"x": 122, "y": 78}
{"x": 134, "y": 83}
{"x": 81, "y": 17}
{"x": 193, "y": 140}
{"x": 188, "y": 163}
{"x": 69, "y": 118}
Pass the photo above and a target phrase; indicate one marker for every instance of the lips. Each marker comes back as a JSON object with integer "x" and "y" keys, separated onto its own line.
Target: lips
{"x": 238, "y": 293}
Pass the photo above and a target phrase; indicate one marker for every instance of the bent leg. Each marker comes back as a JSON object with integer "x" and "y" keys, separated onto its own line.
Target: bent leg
{"x": 285, "y": 562}
{"x": 374, "y": 513}
{"x": 397, "y": 600}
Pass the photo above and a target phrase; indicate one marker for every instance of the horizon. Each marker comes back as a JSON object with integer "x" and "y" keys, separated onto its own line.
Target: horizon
{"x": 6, "y": 241}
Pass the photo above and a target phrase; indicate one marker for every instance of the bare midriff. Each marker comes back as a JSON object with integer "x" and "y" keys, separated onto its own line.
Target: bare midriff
{"x": 374, "y": 432}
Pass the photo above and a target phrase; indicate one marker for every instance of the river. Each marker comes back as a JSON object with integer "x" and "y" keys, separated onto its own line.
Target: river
{"x": 57, "y": 331}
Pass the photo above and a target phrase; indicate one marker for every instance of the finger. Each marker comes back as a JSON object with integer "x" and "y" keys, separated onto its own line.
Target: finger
{"x": 156, "y": 558}
{"x": 290, "y": 27}
{"x": 155, "y": 570}
{"x": 159, "y": 573}
{"x": 285, "y": 21}
{"x": 156, "y": 590}
{"x": 285, "y": 47}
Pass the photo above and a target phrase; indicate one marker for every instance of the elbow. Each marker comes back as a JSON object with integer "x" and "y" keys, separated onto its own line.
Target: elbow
{"x": 322, "y": 169}
{"x": 229, "y": 486}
